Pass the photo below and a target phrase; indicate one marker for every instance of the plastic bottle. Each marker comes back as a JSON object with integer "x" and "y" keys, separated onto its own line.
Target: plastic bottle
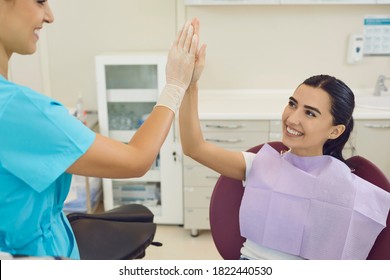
{"x": 81, "y": 114}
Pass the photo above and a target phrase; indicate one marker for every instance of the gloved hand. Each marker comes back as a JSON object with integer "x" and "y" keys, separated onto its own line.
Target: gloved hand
{"x": 199, "y": 65}
{"x": 180, "y": 67}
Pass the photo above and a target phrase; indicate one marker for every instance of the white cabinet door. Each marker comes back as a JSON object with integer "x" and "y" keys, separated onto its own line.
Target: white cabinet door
{"x": 128, "y": 86}
{"x": 372, "y": 142}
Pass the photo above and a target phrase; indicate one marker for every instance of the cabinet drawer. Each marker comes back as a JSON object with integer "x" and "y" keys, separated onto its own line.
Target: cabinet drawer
{"x": 197, "y": 197}
{"x": 372, "y": 142}
{"x": 236, "y": 140}
{"x": 275, "y": 126}
{"x": 199, "y": 176}
{"x": 275, "y": 130}
{"x": 196, "y": 218}
{"x": 233, "y": 125}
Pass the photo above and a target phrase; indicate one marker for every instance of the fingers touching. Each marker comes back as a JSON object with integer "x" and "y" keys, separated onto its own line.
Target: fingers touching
{"x": 188, "y": 37}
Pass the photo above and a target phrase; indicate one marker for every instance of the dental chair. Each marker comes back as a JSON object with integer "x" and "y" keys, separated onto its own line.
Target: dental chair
{"x": 118, "y": 234}
{"x": 122, "y": 233}
{"x": 226, "y": 199}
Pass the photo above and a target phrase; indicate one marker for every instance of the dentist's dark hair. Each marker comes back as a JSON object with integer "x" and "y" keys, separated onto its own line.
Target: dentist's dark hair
{"x": 342, "y": 102}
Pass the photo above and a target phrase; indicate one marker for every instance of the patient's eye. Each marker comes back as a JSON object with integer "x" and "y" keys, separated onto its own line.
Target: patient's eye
{"x": 292, "y": 104}
{"x": 310, "y": 113}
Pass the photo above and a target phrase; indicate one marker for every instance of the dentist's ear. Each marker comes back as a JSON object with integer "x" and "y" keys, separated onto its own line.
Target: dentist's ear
{"x": 337, "y": 131}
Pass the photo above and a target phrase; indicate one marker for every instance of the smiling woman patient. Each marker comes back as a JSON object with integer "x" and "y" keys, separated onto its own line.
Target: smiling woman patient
{"x": 304, "y": 203}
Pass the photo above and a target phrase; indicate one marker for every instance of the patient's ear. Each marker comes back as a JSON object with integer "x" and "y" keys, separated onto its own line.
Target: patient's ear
{"x": 336, "y": 131}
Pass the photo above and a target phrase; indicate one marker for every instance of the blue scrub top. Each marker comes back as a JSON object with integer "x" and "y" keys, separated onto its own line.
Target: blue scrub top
{"x": 39, "y": 140}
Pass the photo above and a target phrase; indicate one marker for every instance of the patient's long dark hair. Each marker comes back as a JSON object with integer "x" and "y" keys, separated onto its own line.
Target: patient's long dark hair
{"x": 342, "y": 104}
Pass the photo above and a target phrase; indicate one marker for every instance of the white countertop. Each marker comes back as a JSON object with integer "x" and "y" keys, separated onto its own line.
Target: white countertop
{"x": 259, "y": 104}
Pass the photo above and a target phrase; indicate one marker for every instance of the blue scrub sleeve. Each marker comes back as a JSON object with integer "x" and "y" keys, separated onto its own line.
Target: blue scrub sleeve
{"x": 41, "y": 138}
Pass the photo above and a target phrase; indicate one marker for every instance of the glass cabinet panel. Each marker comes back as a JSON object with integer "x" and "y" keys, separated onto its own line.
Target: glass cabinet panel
{"x": 128, "y": 115}
{"x": 131, "y": 76}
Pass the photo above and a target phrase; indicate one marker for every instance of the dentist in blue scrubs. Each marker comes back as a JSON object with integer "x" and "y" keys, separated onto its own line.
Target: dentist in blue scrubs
{"x": 42, "y": 145}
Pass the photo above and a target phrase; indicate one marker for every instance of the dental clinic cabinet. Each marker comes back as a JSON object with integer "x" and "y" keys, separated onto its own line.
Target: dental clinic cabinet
{"x": 372, "y": 142}
{"x": 128, "y": 85}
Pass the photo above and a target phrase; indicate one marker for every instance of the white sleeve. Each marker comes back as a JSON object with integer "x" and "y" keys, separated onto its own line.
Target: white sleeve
{"x": 248, "y": 157}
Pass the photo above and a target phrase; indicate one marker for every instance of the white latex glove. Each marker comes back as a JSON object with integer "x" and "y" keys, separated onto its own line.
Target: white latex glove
{"x": 180, "y": 67}
{"x": 200, "y": 57}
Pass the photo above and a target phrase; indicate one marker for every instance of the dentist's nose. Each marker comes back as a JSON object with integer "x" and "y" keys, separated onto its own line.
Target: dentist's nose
{"x": 49, "y": 17}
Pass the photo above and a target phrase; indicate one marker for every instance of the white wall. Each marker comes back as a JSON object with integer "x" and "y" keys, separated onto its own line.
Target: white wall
{"x": 279, "y": 46}
{"x": 249, "y": 47}
{"x": 83, "y": 29}
{"x": 28, "y": 70}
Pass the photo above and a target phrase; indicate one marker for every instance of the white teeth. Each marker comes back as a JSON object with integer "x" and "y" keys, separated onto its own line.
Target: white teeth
{"x": 293, "y": 131}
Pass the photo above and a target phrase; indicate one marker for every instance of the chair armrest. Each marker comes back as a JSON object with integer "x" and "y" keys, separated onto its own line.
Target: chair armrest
{"x": 112, "y": 240}
{"x": 125, "y": 213}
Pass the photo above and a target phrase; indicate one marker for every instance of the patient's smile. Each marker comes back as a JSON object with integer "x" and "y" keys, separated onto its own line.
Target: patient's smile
{"x": 293, "y": 131}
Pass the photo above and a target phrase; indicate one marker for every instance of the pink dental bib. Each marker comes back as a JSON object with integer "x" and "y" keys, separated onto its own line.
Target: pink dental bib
{"x": 312, "y": 207}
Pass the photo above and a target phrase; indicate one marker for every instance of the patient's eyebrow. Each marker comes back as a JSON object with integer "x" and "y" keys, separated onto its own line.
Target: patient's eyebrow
{"x": 305, "y": 106}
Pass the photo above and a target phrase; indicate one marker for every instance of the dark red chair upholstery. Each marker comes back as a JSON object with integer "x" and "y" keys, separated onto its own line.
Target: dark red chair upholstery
{"x": 226, "y": 199}
{"x": 370, "y": 172}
